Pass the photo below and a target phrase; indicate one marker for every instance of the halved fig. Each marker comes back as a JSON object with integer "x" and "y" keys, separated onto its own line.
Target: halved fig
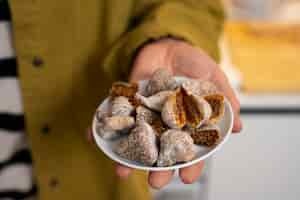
{"x": 126, "y": 90}
{"x": 217, "y": 103}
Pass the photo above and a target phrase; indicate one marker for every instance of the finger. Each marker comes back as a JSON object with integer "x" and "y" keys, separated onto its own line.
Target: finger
{"x": 89, "y": 136}
{"x": 140, "y": 72}
{"x": 223, "y": 84}
{"x": 237, "y": 124}
{"x": 190, "y": 174}
{"x": 149, "y": 58}
{"x": 122, "y": 171}
{"x": 159, "y": 179}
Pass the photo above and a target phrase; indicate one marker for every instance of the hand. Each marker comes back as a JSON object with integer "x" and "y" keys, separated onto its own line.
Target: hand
{"x": 182, "y": 59}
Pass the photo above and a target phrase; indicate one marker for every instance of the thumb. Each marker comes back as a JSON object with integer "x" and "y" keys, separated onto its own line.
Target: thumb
{"x": 223, "y": 84}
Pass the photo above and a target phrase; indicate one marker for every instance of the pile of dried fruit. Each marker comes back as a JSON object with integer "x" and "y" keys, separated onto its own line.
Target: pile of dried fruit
{"x": 161, "y": 123}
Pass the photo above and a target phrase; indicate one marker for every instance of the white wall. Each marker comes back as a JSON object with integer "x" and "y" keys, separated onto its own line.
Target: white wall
{"x": 261, "y": 163}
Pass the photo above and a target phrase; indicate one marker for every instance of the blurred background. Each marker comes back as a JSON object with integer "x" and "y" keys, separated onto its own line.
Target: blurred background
{"x": 261, "y": 56}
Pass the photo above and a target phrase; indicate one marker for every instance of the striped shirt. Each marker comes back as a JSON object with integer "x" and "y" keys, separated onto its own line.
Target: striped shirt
{"x": 16, "y": 181}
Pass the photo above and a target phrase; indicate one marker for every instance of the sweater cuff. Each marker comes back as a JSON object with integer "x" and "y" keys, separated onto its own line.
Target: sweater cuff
{"x": 170, "y": 19}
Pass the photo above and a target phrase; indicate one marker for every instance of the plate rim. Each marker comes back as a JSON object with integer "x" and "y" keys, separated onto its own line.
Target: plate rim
{"x": 96, "y": 137}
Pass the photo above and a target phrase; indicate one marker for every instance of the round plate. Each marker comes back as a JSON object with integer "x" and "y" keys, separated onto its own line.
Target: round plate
{"x": 203, "y": 152}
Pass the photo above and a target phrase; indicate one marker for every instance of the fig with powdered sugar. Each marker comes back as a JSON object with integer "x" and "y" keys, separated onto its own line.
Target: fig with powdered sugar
{"x": 207, "y": 135}
{"x": 175, "y": 146}
{"x": 156, "y": 101}
{"x": 210, "y": 93}
{"x": 199, "y": 87}
{"x": 217, "y": 104}
{"x": 152, "y": 118}
{"x": 112, "y": 127}
{"x": 140, "y": 145}
{"x": 121, "y": 107}
{"x": 183, "y": 109}
{"x": 125, "y": 90}
{"x": 161, "y": 80}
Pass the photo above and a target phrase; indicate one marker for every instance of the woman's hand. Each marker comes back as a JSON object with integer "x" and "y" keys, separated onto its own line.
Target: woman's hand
{"x": 181, "y": 59}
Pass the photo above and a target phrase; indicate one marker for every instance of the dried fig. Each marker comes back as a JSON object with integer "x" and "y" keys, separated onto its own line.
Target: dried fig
{"x": 126, "y": 90}
{"x": 161, "y": 80}
{"x": 152, "y": 118}
{"x": 110, "y": 127}
{"x": 121, "y": 106}
{"x": 217, "y": 103}
{"x": 154, "y": 102}
{"x": 182, "y": 109}
{"x": 140, "y": 145}
{"x": 207, "y": 135}
{"x": 175, "y": 146}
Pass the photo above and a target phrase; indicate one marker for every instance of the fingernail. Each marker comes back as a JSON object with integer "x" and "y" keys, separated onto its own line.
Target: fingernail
{"x": 237, "y": 127}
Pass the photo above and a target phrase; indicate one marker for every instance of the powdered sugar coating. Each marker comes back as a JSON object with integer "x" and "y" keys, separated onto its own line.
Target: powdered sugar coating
{"x": 146, "y": 115}
{"x": 152, "y": 118}
{"x": 106, "y": 133}
{"x": 169, "y": 113}
{"x": 175, "y": 146}
{"x": 199, "y": 87}
{"x": 140, "y": 145}
{"x": 156, "y": 101}
{"x": 118, "y": 123}
{"x": 111, "y": 127}
{"x": 161, "y": 80}
{"x": 204, "y": 108}
{"x": 121, "y": 106}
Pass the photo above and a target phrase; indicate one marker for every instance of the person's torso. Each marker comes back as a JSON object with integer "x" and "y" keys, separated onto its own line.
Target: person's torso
{"x": 60, "y": 46}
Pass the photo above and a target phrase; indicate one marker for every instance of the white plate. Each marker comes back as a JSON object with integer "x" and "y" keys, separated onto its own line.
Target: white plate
{"x": 107, "y": 146}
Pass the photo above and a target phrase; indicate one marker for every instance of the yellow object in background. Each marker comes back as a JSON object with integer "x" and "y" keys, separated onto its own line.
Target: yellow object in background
{"x": 268, "y": 55}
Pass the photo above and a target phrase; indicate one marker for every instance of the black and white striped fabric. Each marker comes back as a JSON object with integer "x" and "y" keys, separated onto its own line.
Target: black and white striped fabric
{"x": 16, "y": 181}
